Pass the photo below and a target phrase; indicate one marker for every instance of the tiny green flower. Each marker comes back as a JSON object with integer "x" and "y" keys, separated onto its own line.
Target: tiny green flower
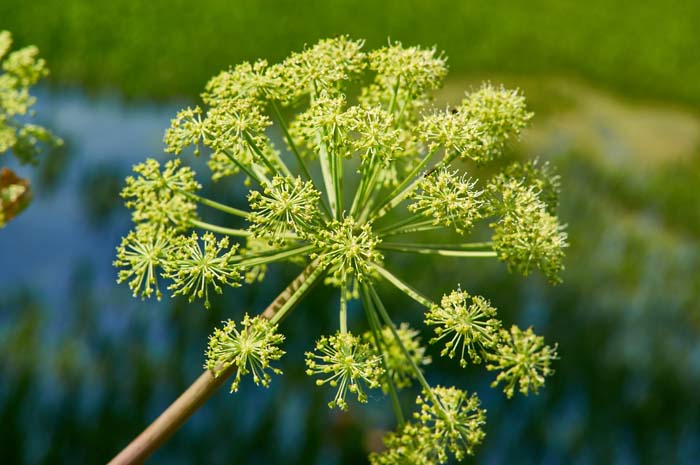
{"x": 162, "y": 197}
{"x": 141, "y": 254}
{"x": 416, "y": 69}
{"x": 398, "y": 368}
{"x": 347, "y": 363}
{"x": 376, "y": 133}
{"x": 323, "y": 67}
{"x": 185, "y": 130}
{"x": 285, "y": 206}
{"x": 452, "y": 200}
{"x": 250, "y": 350}
{"x": 245, "y": 81}
{"x": 470, "y": 321}
{"x": 523, "y": 360}
{"x": 193, "y": 267}
{"x": 500, "y": 114}
{"x": 454, "y": 417}
{"x": 348, "y": 250}
{"x": 413, "y": 444}
{"x": 527, "y": 236}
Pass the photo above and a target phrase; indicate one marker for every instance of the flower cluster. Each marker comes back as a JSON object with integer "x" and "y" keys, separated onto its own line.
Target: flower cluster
{"x": 448, "y": 421}
{"x": 523, "y": 360}
{"x": 193, "y": 268}
{"x": 21, "y": 69}
{"x": 527, "y": 236}
{"x": 285, "y": 206}
{"x": 356, "y": 182}
{"x": 249, "y": 350}
{"x": 467, "y": 323}
{"x": 452, "y": 200}
{"x": 347, "y": 363}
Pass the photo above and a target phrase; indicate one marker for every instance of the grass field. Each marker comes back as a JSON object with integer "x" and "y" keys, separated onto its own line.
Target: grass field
{"x": 164, "y": 48}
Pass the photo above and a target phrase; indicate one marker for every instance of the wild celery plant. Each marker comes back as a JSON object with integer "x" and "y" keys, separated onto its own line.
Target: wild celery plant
{"x": 21, "y": 70}
{"x": 357, "y": 176}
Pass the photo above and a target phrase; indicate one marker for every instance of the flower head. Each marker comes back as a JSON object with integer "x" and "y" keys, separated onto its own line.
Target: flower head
{"x": 194, "y": 267}
{"x": 140, "y": 255}
{"x": 452, "y": 200}
{"x": 285, "y": 206}
{"x": 324, "y": 66}
{"x": 348, "y": 250}
{"x": 416, "y": 69}
{"x": 250, "y": 349}
{"x": 454, "y": 417}
{"x": 527, "y": 236}
{"x": 448, "y": 420}
{"x": 413, "y": 444}
{"x": 468, "y": 324}
{"x": 162, "y": 197}
{"x": 245, "y": 81}
{"x": 186, "y": 129}
{"x": 500, "y": 115}
{"x": 523, "y": 361}
{"x": 347, "y": 364}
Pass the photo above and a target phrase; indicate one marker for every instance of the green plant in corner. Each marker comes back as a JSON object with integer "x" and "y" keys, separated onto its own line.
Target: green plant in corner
{"x": 21, "y": 70}
{"x": 358, "y": 177}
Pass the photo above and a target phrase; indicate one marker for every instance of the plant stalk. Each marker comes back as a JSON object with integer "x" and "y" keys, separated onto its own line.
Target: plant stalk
{"x": 197, "y": 394}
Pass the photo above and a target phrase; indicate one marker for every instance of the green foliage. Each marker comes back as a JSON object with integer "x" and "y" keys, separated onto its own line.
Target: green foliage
{"x": 116, "y": 44}
{"x": 21, "y": 70}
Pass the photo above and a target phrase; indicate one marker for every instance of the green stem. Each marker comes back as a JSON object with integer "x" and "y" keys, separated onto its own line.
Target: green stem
{"x": 337, "y": 172}
{"x": 252, "y": 175}
{"x": 387, "y": 320}
{"x": 298, "y": 294}
{"x": 326, "y": 173}
{"x": 216, "y": 205}
{"x": 198, "y": 393}
{"x": 404, "y": 222}
{"x": 427, "y": 225}
{"x": 404, "y": 189}
{"x": 295, "y": 151}
{"x": 446, "y": 250}
{"x": 403, "y": 287}
{"x": 284, "y": 254}
{"x": 266, "y": 161}
{"x": 290, "y": 141}
{"x": 343, "y": 314}
{"x": 379, "y": 342}
{"x": 220, "y": 229}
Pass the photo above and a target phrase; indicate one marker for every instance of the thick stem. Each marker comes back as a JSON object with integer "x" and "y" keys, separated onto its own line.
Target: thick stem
{"x": 197, "y": 394}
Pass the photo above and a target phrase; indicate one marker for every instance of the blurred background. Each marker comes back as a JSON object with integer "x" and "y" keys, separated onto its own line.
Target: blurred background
{"x": 616, "y": 90}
